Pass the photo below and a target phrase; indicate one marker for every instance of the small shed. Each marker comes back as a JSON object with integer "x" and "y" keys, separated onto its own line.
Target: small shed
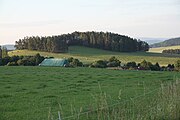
{"x": 54, "y": 62}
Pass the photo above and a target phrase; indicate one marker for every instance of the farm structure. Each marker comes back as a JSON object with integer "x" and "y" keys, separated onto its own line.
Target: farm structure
{"x": 54, "y": 62}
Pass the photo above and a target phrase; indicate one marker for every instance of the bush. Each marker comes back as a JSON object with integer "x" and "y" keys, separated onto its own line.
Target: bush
{"x": 131, "y": 65}
{"x": 155, "y": 67}
{"x": 146, "y": 65}
{"x": 177, "y": 65}
{"x": 99, "y": 64}
{"x": 22, "y": 60}
{"x": 25, "y": 62}
{"x": 113, "y": 62}
{"x": 74, "y": 62}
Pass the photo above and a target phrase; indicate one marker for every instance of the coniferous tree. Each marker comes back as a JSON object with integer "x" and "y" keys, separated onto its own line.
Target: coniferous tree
{"x": 106, "y": 41}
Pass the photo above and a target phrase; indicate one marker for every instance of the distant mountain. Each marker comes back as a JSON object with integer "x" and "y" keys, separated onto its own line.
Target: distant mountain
{"x": 9, "y": 47}
{"x": 169, "y": 42}
{"x": 152, "y": 40}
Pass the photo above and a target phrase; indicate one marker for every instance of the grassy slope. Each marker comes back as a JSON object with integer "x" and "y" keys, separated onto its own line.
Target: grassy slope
{"x": 160, "y": 49}
{"x": 27, "y": 93}
{"x": 88, "y": 55}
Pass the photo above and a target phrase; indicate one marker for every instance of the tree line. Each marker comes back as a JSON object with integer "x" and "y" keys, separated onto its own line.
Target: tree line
{"x": 22, "y": 60}
{"x": 144, "y": 65}
{"x": 49, "y": 44}
{"x": 171, "y": 51}
{"x": 112, "y": 62}
{"x": 107, "y": 41}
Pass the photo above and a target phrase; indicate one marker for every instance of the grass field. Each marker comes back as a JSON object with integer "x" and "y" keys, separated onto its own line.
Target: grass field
{"x": 88, "y": 55}
{"x": 28, "y": 93}
{"x": 160, "y": 49}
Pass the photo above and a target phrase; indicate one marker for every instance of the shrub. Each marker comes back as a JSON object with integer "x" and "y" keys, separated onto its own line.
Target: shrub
{"x": 99, "y": 64}
{"x": 177, "y": 65}
{"x": 74, "y": 62}
{"x": 146, "y": 65}
{"x": 25, "y": 62}
{"x": 155, "y": 67}
{"x": 113, "y": 62}
{"x": 131, "y": 65}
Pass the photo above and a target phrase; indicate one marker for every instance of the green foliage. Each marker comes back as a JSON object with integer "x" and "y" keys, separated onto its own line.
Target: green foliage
{"x": 131, "y": 65}
{"x": 74, "y": 62}
{"x": 177, "y": 65}
{"x": 4, "y": 61}
{"x": 99, "y": 64}
{"x": 113, "y": 62}
{"x": 56, "y": 44}
{"x": 101, "y": 40}
{"x": 22, "y": 60}
{"x": 25, "y": 62}
{"x": 146, "y": 65}
{"x": 155, "y": 67}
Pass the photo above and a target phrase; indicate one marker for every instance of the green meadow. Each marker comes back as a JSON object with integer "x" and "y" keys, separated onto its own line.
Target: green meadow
{"x": 89, "y": 55}
{"x": 36, "y": 93}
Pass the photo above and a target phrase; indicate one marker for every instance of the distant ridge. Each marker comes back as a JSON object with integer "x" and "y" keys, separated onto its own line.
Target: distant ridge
{"x": 9, "y": 47}
{"x": 150, "y": 40}
{"x": 166, "y": 43}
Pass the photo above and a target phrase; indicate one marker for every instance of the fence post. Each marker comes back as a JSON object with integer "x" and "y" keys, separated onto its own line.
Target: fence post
{"x": 59, "y": 116}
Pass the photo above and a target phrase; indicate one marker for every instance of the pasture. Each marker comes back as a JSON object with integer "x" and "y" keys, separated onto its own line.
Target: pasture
{"x": 160, "y": 49}
{"x": 89, "y": 55}
{"x": 36, "y": 93}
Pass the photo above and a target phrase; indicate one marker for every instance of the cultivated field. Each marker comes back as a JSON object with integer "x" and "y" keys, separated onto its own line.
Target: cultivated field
{"x": 88, "y": 55}
{"x": 37, "y": 93}
{"x": 160, "y": 49}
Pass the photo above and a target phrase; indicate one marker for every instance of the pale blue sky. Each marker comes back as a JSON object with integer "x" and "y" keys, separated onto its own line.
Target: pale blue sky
{"x": 135, "y": 18}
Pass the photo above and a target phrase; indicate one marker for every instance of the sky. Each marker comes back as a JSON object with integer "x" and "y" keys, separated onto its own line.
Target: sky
{"x": 135, "y": 18}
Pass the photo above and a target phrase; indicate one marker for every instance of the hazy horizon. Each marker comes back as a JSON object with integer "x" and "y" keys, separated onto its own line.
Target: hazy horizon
{"x": 135, "y": 18}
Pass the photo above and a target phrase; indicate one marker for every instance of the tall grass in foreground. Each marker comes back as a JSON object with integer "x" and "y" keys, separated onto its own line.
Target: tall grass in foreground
{"x": 159, "y": 104}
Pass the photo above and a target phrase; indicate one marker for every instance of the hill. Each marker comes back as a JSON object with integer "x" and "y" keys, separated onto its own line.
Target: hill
{"x": 88, "y": 55}
{"x": 160, "y": 49}
{"x": 169, "y": 42}
{"x": 101, "y": 40}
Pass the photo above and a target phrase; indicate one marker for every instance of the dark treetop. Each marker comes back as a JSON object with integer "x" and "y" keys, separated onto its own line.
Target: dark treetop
{"x": 101, "y": 40}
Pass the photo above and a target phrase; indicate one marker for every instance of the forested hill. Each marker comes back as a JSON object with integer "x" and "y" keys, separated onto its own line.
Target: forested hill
{"x": 101, "y": 40}
{"x": 170, "y": 42}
